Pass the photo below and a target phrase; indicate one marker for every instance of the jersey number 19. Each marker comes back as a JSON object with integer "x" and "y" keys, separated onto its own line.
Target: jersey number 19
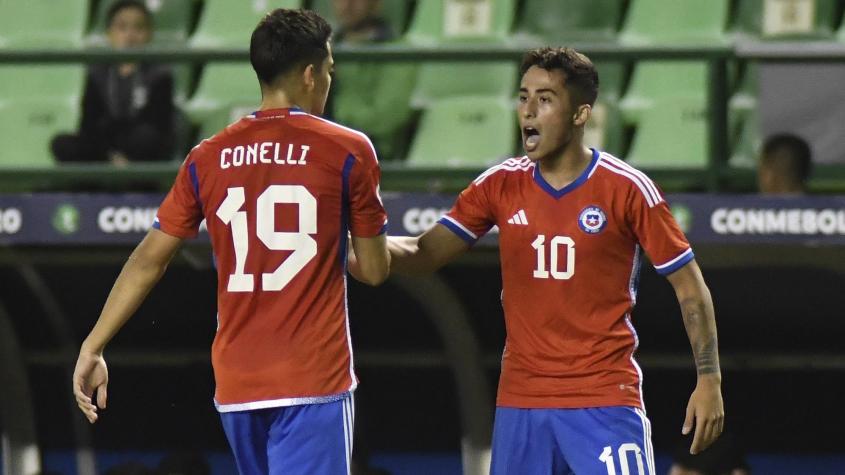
{"x": 304, "y": 246}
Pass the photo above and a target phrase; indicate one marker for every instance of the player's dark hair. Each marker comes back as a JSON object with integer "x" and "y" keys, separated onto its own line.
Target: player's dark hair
{"x": 793, "y": 151}
{"x": 121, "y": 5}
{"x": 582, "y": 79}
{"x": 286, "y": 39}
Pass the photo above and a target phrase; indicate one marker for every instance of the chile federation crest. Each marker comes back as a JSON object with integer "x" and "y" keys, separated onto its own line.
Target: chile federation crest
{"x": 592, "y": 220}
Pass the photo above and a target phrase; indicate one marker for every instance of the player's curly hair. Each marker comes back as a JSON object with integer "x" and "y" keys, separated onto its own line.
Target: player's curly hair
{"x": 286, "y": 39}
{"x": 582, "y": 79}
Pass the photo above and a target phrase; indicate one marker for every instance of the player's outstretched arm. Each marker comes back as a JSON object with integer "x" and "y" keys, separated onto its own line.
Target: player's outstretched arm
{"x": 705, "y": 410}
{"x": 425, "y": 254}
{"x": 140, "y": 273}
{"x": 369, "y": 261}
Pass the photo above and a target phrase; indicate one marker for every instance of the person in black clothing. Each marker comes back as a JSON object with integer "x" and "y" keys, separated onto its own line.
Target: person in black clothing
{"x": 361, "y": 22}
{"x": 127, "y": 109}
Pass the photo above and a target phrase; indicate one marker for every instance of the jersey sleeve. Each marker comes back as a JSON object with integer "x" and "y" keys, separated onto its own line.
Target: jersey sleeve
{"x": 658, "y": 233}
{"x": 180, "y": 214}
{"x": 367, "y": 215}
{"x": 471, "y": 217}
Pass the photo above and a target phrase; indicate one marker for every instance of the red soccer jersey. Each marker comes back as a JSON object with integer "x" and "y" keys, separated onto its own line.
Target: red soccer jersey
{"x": 570, "y": 261}
{"x": 279, "y": 190}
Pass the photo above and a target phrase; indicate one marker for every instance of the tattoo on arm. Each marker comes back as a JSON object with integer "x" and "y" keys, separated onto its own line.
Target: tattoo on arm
{"x": 701, "y": 329}
{"x": 707, "y": 357}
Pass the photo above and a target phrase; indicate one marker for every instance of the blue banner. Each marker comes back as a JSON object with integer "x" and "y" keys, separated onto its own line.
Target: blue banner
{"x": 123, "y": 219}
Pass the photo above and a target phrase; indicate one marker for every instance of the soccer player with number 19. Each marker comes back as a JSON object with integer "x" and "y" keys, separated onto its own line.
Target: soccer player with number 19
{"x": 281, "y": 189}
{"x": 573, "y": 225}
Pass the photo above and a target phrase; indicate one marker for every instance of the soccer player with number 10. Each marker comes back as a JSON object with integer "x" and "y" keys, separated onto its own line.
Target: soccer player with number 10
{"x": 573, "y": 225}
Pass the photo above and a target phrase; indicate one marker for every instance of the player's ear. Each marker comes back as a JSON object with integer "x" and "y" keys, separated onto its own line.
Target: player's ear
{"x": 308, "y": 78}
{"x": 582, "y": 115}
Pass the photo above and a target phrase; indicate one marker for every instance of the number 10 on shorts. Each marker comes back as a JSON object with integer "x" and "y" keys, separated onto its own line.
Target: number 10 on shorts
{"x": 624, "y": 449}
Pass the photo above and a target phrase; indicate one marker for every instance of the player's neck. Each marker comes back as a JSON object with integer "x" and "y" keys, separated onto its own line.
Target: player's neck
{"x": 279, "y": 99}
{"x": 563, "y": 169}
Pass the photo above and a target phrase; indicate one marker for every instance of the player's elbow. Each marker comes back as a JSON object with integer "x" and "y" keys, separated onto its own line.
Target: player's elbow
{"x": 374, "y": 274}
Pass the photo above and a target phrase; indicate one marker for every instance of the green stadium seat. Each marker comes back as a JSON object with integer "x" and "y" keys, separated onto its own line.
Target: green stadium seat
{"x": 611, "y": 79}
{"x": 462, "y": 22}
{"x": 224, "y": 92}
{"x": 653, "y": 81}
{"x": 36, "y": 103}
{"x": 562, "y": 21}
{"x": 743, "y": 100}
{"x": 604, "y": 131}
{"x": 229, "y": 24}
{"x": 394, "y": 11}
{"x": 438, "y": 80}
{"x": 41, "y": 81}
{"x": 464, "y": 131}
{"x": 676, "y": 22}
{"x": 172, "y": 19}
{"x": 672, "y": 135}
{"x": 745, "y": 142}
{"x": 786, "y": 19}
{"x": 42, "y": 23}
{"x": 437, "y": 21}
{"x": 31, "y": 125}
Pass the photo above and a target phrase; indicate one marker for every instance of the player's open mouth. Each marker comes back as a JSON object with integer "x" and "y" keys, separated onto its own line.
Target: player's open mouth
{"x": 530, "y": 138}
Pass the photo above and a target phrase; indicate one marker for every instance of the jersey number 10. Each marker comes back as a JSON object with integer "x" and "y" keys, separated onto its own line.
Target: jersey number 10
{"x": 304, "y": 246}
{"x": 543, "y": 272}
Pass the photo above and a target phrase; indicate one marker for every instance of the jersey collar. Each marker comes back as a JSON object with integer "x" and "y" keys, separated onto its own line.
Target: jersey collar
{"x": 275, "y": 112}
{"x": 557, "y": 194}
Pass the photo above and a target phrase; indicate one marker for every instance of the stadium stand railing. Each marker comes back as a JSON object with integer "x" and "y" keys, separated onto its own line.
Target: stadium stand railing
{"x": 717, "y": 175}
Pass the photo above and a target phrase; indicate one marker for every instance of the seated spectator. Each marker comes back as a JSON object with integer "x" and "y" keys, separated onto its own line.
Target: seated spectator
{"x": 127, "y": 109}
{"x": 785, "y": 165}
{"x": 372, "y": 97}
{"x": 724, "y": 457}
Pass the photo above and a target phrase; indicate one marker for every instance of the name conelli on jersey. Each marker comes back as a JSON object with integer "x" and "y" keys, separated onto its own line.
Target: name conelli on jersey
{"x": 263, "y": 153}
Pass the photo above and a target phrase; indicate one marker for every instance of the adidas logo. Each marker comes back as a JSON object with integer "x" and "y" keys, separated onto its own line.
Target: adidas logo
{"x": 519, "y": 218}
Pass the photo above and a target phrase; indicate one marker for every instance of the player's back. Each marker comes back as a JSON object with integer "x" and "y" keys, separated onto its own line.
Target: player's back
{"x": 277, "y": 189}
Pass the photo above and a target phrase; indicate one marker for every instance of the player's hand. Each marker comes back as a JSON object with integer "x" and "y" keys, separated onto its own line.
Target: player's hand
{"x": 91, "y": 375}
{"x": 705, "y": 412}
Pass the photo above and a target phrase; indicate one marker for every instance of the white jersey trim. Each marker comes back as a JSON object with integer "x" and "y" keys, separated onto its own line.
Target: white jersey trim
{"x": 626, "y": 166}
{"x": 459, "y": 225}
{"x": 649, "y": 449}
{"x": 669, "y": 263}
{"x": 633, "y": 360}
{"x": 511, "y": 165}
{"x": 352, "y": 377}
{"x": 646, "y": 186}
{"x": 283, "y": 402}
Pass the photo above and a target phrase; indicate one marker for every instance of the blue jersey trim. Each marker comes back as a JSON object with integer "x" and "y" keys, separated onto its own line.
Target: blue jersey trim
{"x": 192, "y": 169}
{"x": 383, "y": 229}
{"x": 344, "y": 209}
{"x": 557, "y": 194}
{"x": 157, "y": 224}
{"x": 685, "y": 258}
{"x": 457, "y": 230}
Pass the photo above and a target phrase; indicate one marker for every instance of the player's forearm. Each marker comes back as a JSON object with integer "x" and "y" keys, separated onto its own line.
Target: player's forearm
{"x": 405, "y": 256}
{"x": 700, "y": 324}
{"x": 133, "y": 284}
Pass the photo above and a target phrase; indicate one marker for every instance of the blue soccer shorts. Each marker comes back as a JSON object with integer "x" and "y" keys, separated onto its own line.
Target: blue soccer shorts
{"x": 310, "y": 439}
{"x": 591, "y": 441}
